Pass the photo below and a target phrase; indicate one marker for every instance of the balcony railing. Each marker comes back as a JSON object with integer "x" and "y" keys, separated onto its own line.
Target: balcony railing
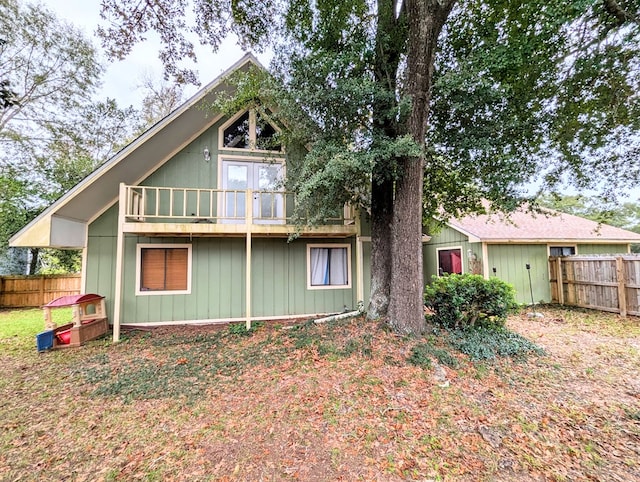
{"x": 150, "y": 204}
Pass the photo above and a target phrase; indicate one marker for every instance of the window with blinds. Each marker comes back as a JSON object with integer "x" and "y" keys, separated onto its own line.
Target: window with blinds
{"x": 164, "y": 269}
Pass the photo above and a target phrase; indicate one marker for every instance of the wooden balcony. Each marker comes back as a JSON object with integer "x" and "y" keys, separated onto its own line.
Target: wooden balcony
{"x": 173, "y": 211}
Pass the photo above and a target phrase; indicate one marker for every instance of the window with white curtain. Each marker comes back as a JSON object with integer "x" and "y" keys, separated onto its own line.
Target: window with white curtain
{"x": 328, "y": 266}
{"x": 562, "y": 250}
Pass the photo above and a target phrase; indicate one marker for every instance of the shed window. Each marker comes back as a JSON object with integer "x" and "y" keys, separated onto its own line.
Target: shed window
{"x": 164, "y": 269}
{"x": 449, "y": 261}
{"x": 328, "y": 266}
{"x": 562, "y": 250}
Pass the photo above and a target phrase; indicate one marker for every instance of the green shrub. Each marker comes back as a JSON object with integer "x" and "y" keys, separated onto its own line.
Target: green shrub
{"x": 469, "y": 300}
{"x": 422, "y": 353}
{"x": 491, "y": 343}
{"x": 240, "y": 329}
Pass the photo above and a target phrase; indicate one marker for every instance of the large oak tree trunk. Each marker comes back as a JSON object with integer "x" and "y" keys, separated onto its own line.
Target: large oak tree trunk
{"x": 390, "y": 37}
{"x": 381, "y": 242}
{"x": 406, "y": 315}
{"x": 406, "y": 305}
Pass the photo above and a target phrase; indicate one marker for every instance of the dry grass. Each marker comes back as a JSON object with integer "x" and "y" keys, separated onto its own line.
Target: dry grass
{"x": 331, "y": 402}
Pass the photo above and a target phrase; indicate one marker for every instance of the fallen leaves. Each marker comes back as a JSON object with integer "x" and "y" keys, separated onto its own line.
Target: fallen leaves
{"x": 325, "y": 403}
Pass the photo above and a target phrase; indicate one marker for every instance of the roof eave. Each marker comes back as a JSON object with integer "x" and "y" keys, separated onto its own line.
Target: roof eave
{"x": 472, "y": 237}
{"x": 559, "y": 240}
{"x": 23, "y": 237}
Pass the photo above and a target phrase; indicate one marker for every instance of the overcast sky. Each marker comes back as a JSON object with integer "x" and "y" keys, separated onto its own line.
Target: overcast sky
{"x": 122, "y": 78}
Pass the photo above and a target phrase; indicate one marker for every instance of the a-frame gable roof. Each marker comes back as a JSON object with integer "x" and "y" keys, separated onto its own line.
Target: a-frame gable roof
{"x": 63, "y": 224}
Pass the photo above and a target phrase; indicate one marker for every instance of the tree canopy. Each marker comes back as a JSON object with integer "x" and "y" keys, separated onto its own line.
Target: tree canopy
{"x": 463, "y": 101}
{"x": 50, "y": 65}
{"x": 624, "y": 215}
{"x": 549, "y": 88}
{"x": 53, "y": 132}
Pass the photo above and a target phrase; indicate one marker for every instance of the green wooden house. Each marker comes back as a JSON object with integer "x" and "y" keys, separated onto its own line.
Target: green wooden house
{"x": 190, "y": 224}
{"x": 495, "y": 245}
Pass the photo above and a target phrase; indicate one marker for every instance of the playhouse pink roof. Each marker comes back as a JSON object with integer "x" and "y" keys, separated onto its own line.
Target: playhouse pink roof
{"x": 548, "y": 226}
{"x": 73, "y": 300}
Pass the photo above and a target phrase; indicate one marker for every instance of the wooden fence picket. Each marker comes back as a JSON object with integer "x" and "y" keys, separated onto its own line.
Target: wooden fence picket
{"x": 600, "y": 282}
{"x": 35, "y": 291}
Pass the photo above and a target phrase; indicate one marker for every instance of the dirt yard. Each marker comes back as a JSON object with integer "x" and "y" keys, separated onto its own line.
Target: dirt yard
{"x": 325, "y": 403}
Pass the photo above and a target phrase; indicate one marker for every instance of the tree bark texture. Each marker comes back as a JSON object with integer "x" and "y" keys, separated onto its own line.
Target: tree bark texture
{"x": 390, "y": 40}
{"x": 381, "y": 241}
{"x": 406, "y": 313}
{"x": 33, "y": 262}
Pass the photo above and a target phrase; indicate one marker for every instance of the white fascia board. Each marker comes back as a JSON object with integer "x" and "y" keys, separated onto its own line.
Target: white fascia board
{"x": 23, "y": 237}
{"x": 472, "y": 237}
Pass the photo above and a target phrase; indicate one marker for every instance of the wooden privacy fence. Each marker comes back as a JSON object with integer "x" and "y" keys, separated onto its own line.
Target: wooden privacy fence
{"x": 29, "y": 291}
{"x": 603, "y": 282}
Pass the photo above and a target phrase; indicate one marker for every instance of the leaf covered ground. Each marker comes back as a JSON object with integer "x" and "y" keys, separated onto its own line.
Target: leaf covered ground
{"x": 340, "y": 401}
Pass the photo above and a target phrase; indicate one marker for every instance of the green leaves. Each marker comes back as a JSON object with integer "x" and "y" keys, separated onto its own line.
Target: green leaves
{"x": 523, "y": 92}
{"x": 537, "y": 92}
{"x": 13, "y": 211}
{"x": 489, "y": 344}
{"x": 468, "y": 301}
{"x": 52, "y": 132}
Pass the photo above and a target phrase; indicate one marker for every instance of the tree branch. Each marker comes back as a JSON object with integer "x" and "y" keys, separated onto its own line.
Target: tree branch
{"x": 613, "y": 8}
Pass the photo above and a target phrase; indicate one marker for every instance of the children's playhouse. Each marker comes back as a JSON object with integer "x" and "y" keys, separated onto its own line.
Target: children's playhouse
{"x": 88, "y": 322}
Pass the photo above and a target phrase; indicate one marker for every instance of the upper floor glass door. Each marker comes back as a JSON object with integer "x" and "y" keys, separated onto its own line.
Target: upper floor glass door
{"x": 264, "y": 179}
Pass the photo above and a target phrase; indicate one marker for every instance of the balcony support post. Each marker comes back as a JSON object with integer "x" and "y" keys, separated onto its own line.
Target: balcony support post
{"x": 359, "y": 263}
{"x": 249, "y": 221}
{"x": 117, "y": 298}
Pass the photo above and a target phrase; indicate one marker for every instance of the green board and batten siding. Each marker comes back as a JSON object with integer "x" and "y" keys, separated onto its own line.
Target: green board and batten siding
{"x": 510, "y": 260}
{"x": 101, "y": 256}
{"x": 279, "y": 268}
{"x": 279, "y": 280}
{"x": 602, "y": 248}
{"x": 188, "y": 168}
{"x": 447, "y": 238}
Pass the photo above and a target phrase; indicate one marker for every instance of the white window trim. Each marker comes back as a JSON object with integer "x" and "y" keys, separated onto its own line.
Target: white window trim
{"x": 249, "y": 159}
{"x": 449, "y": 248}
{"x": 329, "y": 287}
{"x": 252, "y": 133}
{"x": 140, "y": 247}
{"x": 254, "y": 159}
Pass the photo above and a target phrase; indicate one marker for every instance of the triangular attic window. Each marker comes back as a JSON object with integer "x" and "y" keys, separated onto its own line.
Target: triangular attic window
{"x": 250, "y": 131}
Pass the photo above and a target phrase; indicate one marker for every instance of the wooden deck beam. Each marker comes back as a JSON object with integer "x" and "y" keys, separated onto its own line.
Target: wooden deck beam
{"x": 239, "y": 230}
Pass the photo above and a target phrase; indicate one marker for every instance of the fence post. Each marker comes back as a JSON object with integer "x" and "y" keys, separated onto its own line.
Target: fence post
{"x": 571, "y": 287}
{"x": 559, "y": 280}
{"x": 42, "y": 301}
{"x": 622, "y": 285}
